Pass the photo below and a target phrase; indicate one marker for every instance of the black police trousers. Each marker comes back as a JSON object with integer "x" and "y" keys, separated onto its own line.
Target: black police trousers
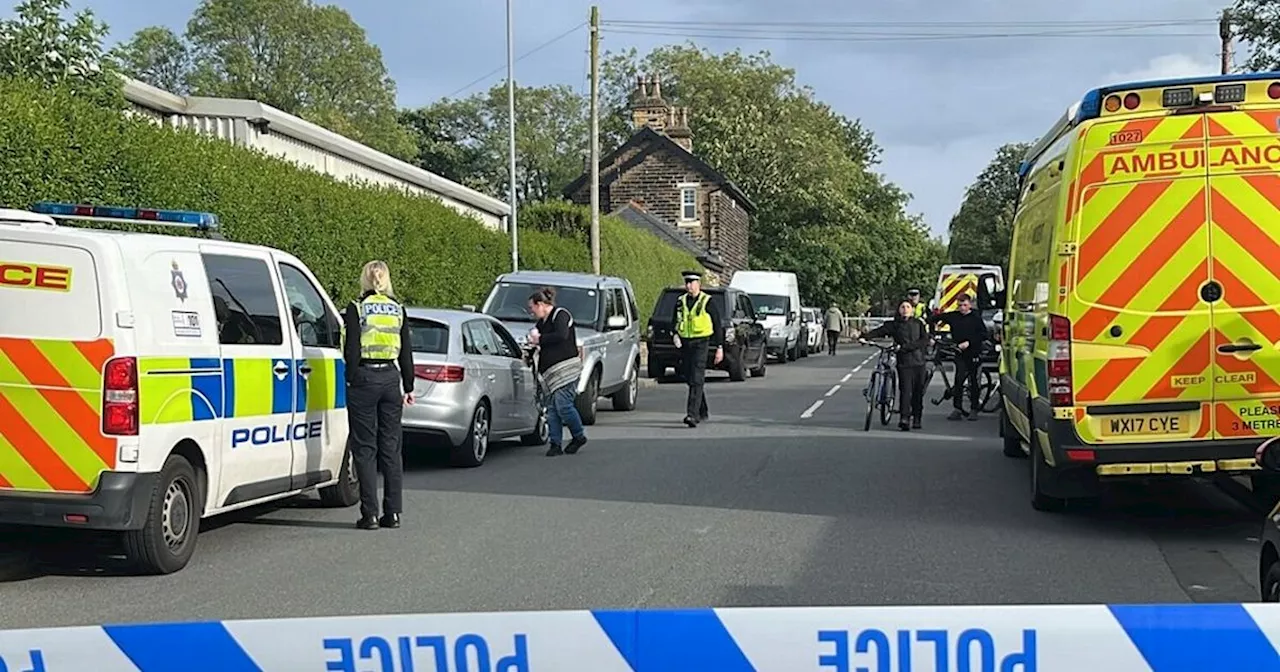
{"x": 375, "y": 403}
{"x": 694, "y": 367}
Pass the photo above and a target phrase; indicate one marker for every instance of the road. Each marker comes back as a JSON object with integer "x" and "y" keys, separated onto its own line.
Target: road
{"x": 760, "y": 506}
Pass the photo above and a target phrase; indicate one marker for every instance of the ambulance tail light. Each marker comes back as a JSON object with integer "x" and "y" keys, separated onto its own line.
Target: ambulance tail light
{"x": 439, "y": 374}
{"x": 120, "y": 397}
{"x": 1060, "y": 361}
{"x": 1273, "y": 91}
{"x": 1132, "y": 101}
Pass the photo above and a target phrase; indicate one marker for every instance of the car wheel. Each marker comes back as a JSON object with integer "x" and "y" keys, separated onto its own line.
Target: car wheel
{"x": 1040, "y": 475}
{"x": 626, "y": 398}
{"x": 1012, "y": 439}
{"x": 167, "y": 539}
{"x": 589, "y": 401}
{"x": 541, "y": 432}
{"x": 1271, "y": 583}
{"x": 346, "y": 492}
{"x": 475, "y": 447}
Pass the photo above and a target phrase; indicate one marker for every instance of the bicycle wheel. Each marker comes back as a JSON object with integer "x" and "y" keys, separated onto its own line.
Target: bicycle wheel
{"x": 887, "y": 396}
{"x": 991, "y": 392}
{"x": 872, "y": 394}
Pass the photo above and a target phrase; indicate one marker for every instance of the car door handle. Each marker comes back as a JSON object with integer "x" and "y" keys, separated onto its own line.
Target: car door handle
{"x": 1240, "y": 347}
{"x": 304, "y": 370}
{"x": 281, "y": 368}
{"x": 493, "y": 376}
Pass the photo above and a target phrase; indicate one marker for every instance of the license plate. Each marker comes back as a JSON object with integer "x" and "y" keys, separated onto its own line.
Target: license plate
{"x": 1146, "y": 424}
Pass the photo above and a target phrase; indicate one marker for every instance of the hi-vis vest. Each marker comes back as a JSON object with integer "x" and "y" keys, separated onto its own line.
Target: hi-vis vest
{"x": 919, "y": 310}
{"x": 694, "y": 322}
{"x": 380, "y": 322}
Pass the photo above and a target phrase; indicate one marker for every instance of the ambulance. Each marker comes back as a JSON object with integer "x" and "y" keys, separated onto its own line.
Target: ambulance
{"x": 1142, "y": 325}
{"x": 149, "y": 381}
{"x": 982, "y": 283}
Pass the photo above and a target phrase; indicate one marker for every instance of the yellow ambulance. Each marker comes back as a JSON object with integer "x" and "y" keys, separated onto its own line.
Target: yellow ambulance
{"x": 1142, "y": 324}
{"x": 982, "y": 283}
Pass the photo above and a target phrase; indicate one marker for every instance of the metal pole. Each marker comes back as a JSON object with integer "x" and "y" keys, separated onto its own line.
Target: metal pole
{"x": 595, "y": 139}
{"x": 1224, "y": 32}
{"x": 511, "y": 133}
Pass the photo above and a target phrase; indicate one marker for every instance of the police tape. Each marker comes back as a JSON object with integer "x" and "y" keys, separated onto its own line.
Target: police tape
{"x": 1159, "y": 638}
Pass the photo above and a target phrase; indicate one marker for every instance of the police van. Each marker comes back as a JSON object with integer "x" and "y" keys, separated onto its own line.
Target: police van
{"x": 148, "y": 381}
{"x": 1142, "y": 328}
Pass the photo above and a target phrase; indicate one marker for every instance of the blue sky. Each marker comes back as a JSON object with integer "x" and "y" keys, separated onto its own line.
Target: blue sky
{"x": 938, "y": 108}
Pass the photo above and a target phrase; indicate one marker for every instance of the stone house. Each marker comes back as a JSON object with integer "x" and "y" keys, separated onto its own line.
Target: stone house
{"x": 656, "y": 173}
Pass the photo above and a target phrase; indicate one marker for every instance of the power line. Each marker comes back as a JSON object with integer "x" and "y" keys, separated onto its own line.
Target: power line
{"x": 882, "y": 37}
{"x": 836, "y": 30}
{"x": 502, "y": 68}
{"x": 907, "y": 24}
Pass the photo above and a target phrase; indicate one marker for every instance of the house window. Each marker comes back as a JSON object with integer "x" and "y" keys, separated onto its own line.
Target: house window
{"x": 688, "y": 203}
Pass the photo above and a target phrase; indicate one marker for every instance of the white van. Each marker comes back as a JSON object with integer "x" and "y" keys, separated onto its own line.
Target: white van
{"x": 148, "y": 381}
{"x": 776, "y": 296}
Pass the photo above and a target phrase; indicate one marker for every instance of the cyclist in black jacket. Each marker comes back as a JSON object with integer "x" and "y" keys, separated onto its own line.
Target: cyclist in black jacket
{"x": 911, "y": 336}
{"x": 968, "y": 332}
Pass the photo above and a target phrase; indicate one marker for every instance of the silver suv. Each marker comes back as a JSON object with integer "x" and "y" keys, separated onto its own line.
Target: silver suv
{"x": 605, "y": 317}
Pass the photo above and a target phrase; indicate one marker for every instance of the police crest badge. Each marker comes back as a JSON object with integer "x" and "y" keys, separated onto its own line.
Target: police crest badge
{"x": 178, "y": 282}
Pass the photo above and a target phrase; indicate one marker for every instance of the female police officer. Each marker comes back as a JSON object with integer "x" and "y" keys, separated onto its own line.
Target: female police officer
{"x": 380, "y": 381}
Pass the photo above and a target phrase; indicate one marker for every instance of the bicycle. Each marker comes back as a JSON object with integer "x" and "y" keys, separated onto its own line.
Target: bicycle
{"x": 882, "y": 389}
{"x": 989, "y": 375}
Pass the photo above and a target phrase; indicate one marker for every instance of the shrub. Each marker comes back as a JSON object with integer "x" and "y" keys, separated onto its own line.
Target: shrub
{"x": 59, "y": 146}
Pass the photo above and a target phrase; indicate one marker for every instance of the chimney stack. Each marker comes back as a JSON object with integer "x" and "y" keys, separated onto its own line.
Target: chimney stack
{"x": 647, "y": 106}
{"x": 679, "y": 130}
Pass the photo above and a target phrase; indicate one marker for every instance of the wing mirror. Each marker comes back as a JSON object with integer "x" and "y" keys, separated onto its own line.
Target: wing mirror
{"x": 791, "y": 317}
{"x": 1268, "y": 455}
{"x": 469, "y": 307}
{"x": 616, "y": 322}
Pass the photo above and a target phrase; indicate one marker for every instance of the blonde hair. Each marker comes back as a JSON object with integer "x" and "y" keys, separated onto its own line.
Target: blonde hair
{"x": 376, "y": 277}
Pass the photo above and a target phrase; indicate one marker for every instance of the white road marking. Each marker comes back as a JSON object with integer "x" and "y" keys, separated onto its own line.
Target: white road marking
{"x": 833, "y": 390}
{"x": 808, "y": 413}
{"x": 846, "y": 378}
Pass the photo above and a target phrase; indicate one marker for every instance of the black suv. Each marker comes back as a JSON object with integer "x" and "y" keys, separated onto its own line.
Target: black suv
{"x": 745, "y": 338}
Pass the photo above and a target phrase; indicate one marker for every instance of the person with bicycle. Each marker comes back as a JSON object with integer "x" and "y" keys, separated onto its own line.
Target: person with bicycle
{"x": 911, "y": 340}
{"x": 968, "y": 333}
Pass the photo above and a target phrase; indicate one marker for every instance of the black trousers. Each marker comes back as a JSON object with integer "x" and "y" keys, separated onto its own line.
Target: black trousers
{"x": 833, "y": 337}
{"x": 911, "y": 382}
{"x": 375, "y": 402}
{"x": 693, "y": 365}
{"x": 966, "y": 370}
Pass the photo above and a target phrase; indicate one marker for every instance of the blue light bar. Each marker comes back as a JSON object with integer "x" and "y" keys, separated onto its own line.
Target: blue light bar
{"x": 1091, "y": 106}
{"x": 204, "y": 221}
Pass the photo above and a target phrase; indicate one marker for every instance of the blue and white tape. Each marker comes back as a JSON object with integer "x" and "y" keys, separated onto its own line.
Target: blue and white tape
{"x": 1159, "y": 638}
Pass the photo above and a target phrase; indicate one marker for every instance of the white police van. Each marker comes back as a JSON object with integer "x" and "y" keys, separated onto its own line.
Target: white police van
{"x": 148, "y": 381}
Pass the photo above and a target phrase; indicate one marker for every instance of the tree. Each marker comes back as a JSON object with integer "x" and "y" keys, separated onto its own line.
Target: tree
{"x": 982, "y": 228}
{"x": 823, "y": 213}
{"x": 157, "y": 56}
{"x": 310, "y": 60}
{"x": 1257, "y": 23}
{"x": 39, "y": 44}
{"x": 466, "y": 140}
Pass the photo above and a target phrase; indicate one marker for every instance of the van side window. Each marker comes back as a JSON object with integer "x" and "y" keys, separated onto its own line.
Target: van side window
{"x": 244, "y": 300}
{"x": 617, "y": 303}
{"x": 317, "y": 326}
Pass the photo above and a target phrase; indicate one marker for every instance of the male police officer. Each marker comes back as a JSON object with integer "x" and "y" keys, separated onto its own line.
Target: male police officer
{"x": 380, "y": 382}
{"x": 917, "y": 308}
{"x": 698, "y": 329}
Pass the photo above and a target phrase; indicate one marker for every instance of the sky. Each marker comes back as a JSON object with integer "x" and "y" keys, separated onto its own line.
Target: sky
{"x": 939, "y": 109}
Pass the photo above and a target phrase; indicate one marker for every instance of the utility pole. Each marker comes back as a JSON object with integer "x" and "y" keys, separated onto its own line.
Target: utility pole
{"x": 1224, "y": 32}
{"x": 511, "y": 132}
{"x": 595, "y": 140}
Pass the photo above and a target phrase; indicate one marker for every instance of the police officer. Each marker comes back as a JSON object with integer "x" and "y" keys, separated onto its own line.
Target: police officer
{"x": 379, "y": 384}
{"x": 917, "y": 308}
{"x": 698, "y": 329}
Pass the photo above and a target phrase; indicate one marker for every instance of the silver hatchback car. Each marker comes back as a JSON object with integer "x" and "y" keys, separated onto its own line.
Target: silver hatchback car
{"x": 472, "y": 383}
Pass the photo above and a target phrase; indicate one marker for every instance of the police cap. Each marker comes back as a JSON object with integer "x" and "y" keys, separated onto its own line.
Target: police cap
{"x": 690, "y": 276}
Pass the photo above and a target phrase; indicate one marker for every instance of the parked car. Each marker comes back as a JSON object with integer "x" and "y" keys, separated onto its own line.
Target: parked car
{"x": 1264, "y": 487}
{"x": 606, "y": 319}
{"x": 746, "y": 340}
{"x": 472, "y": 383}
{"x": 776, "y": 297}
{"x": 812, "y": 319}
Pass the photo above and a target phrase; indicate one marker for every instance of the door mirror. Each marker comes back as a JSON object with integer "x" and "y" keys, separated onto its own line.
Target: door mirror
{"x": 615, "y": 322}
{"x": 791, "y": 317}
{"x": 1268, "y": 455}
{"x": 469, "y": 307}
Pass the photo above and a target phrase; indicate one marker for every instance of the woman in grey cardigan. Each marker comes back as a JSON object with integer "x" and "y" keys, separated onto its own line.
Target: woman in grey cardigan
{"x": 560, "y": 367}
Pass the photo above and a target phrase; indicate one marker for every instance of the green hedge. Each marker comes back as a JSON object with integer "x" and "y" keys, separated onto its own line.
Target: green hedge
{"x": 62, "y": 148}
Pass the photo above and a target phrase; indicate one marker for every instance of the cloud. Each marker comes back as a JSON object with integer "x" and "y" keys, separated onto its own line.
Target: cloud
{"x": 1169, "y": 66}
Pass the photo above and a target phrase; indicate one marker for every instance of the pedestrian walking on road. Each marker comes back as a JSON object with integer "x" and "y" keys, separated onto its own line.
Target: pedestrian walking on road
{"x": 834, "y": 324}
{"x": 698, "y": 329}
{"x": 559, "y": 367}
{"x": 911, "y": 336}
{"x": 379, "y": 386}
{"x": 969, "y": 333}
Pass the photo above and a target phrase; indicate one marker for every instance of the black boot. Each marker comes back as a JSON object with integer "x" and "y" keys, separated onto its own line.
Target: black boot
{"x": 904, "y": 427}
{"x": 915, "y": 423}
{"x": 369, "y": 522}
{"x": 554, "y": 450}
{"x": 390, "y": 521}
{"x": 688, "y": 420}
{"x": 575, "y": 445}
